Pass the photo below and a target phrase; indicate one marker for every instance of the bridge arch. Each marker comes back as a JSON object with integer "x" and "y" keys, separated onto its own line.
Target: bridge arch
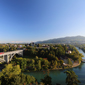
{"x": 7, "y": 56}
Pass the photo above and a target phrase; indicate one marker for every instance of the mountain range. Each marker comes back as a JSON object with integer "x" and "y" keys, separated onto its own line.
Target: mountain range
{"x": 65, "y": 40}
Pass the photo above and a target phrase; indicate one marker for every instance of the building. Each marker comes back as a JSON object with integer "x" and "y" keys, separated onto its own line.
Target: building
{"x": 68, "y": 52}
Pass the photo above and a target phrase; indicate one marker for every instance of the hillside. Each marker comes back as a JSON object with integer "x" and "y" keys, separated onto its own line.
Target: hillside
{"x": 66, "y": 40}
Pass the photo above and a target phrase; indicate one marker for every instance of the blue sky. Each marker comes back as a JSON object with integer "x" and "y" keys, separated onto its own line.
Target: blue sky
{"x": 35, "y": 20}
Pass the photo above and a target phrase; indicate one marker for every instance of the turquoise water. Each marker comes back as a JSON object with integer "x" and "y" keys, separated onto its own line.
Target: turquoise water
{"x": 58, "y": 76}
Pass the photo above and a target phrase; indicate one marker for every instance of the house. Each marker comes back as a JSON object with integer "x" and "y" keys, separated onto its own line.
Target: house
{"x": 43, "y": 45}
{"x": 20, "y": 46}
{"x": 48, "y": 48}
{"x": 68, "y": 52}
{"x": 32, "y": 44}
{"x": 56, "y": 47}
{"x": 15, "y": 45}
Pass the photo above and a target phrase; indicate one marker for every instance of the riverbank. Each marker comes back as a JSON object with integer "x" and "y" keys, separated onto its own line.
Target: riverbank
{"x": 74, "y": 65}
{"x": 59, "y": 76}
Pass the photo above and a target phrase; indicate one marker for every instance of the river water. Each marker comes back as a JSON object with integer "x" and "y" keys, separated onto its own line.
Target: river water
{"x": 58, "y": 76}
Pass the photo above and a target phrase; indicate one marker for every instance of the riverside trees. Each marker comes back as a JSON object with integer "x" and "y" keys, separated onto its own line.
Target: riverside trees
{"x": 11, "y": 75}
{"x": 49, "y": 54}
{"x": 71, "y": 78}
{"x": 47, "y": 80}
{"x": 44, "y": 58}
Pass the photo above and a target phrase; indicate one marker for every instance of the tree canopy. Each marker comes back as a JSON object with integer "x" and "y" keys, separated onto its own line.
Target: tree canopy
{"x": 72, "y": 78}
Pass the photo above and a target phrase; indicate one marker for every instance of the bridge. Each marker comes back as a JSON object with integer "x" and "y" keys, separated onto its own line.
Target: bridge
{"x": 7, "y": 56}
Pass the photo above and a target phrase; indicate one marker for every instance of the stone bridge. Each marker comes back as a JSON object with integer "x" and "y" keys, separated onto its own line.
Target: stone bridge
{"x": 7, "y": 56}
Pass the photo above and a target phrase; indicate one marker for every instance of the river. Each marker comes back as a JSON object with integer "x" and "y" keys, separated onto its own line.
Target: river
{"x": 58, "y": 76}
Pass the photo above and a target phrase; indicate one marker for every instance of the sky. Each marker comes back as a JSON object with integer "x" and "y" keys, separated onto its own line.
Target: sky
{"x": 38, "y": 20}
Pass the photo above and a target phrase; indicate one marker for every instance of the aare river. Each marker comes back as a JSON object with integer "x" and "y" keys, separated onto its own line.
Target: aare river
{"x": 58, "y": 76}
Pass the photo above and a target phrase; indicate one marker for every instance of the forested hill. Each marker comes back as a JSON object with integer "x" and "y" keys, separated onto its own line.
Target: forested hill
{"x": 66, "y": 40}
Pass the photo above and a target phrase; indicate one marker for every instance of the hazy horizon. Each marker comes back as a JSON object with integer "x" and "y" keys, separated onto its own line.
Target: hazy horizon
{"x": 40, "y": 40}
{"x": 36, "y": 20}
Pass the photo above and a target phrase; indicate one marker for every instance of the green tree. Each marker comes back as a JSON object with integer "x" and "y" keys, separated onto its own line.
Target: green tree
{"x": 30, "y": 79}
{"x": 71, "y": 78}
{"x": 61, "y": 62}
{"x": 33, "y": 63}
{"x": 8, "y": 73}
{"x": 23, "y": 64}
{"x": 11, "y": 70}
{"x": 60, "y": 51}
{"x": 65, "y": 48}
{"x": 45, "y": 63}
{"x": 39, "y": 64}
{"x": 36, "y": 57}
{"x": 54, "y": 64}
{"x": 20, "y": 79}
{"x": 47, "y": 80}
{"x": 70, "y": 62}
{"x": 11, "y": 75}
